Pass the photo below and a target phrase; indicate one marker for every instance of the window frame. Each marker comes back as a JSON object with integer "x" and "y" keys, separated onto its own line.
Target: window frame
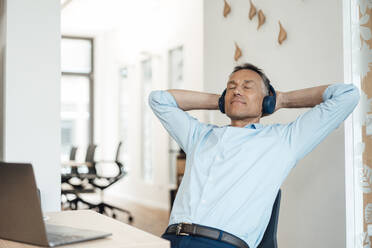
{"x": 90, "y": 76}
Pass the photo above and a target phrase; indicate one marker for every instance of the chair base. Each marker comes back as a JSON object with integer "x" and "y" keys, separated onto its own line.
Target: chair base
{"x": 101, "y": 207}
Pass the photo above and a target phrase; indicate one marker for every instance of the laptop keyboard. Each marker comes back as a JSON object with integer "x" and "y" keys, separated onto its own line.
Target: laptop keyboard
{"x": 58, "y": 235}
{"x": 59, "y": 238}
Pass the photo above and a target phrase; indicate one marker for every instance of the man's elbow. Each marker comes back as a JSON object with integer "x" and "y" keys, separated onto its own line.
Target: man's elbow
{"x": 351, "y": 98}
{"x": 153, "y": 98}
{"x": 161, "y": 98}
{"x": 355, "y": 96}
{"x": 348, "y": 93}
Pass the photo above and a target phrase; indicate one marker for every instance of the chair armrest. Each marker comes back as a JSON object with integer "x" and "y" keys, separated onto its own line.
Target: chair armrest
{"x": 76, "y": 164}
{"x": 105, "y": 161}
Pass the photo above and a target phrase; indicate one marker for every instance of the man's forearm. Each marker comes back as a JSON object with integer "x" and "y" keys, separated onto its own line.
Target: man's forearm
{"x": 304, "y": 98}
{"x": 189, "y": 100}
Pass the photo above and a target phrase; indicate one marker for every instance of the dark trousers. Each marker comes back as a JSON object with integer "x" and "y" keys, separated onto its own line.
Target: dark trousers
{"x": 180, "y": 241}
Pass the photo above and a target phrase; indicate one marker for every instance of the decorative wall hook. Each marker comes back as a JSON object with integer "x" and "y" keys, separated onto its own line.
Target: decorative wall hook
{"x": 238, "y": 52}
{"x": 226, "y": 9}
{"x": 282, "y": 34}
{"x": 252, "y": 11}
{"x": 261, "y": 19}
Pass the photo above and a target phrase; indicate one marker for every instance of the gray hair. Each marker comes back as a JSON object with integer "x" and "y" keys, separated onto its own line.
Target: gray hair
{"x": 265, "y": 79}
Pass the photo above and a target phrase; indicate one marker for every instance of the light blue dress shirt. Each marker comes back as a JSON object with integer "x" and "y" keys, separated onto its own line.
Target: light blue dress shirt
{"x": 233, "y": 174}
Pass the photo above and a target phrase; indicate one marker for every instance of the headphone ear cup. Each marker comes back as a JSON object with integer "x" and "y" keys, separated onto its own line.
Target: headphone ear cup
{"x": 221, "y": 102}
{"x": 269, "y": 102}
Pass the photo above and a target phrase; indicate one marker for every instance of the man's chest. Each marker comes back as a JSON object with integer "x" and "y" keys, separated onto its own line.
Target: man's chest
{"x": 224, "y": 152}
{"x": 233, "y": 143}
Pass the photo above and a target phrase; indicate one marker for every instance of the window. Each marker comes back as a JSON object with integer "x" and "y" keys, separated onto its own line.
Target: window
{"x": 146, "y": 78}
{"x": 76, "y": 93}
{"x": 124, "y": 114}
{"x": 175, "y": 82}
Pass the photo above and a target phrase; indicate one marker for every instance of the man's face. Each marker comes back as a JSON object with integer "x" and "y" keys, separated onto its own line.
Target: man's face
{"x": 244, "y": 95}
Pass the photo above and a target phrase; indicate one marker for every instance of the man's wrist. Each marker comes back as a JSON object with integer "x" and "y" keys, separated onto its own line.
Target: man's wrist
{"x": 280, "y": 100}
{"x": 302, "y": 98}
{"x": 215, "y": 98}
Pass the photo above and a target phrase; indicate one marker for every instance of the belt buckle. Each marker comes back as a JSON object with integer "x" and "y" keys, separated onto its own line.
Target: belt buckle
{"x": 178, "y": 231}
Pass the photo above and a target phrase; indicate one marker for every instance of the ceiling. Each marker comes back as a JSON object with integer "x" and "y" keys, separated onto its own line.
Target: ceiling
{"x": 108, "y": 14}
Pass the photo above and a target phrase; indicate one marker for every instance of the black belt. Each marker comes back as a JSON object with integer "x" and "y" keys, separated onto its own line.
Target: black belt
{"x": 204, "y": 231}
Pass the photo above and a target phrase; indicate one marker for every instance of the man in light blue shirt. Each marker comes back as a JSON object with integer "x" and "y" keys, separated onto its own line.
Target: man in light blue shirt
{"x": 233, "y": 172}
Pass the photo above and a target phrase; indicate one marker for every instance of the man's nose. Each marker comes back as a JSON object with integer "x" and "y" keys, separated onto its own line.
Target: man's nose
{"x": 236, "y": 91}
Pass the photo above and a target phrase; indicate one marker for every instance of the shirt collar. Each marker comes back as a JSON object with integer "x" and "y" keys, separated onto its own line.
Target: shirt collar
{"x": 251, "y": 125}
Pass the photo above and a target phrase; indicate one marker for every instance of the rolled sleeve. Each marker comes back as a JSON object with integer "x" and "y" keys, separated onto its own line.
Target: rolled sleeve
{"x": 181, "y": 126}
{"x": 312, "y": 127}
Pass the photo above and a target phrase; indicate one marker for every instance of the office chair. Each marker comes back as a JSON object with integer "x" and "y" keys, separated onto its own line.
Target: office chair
{"x": 102, "y": 183}
{"x": 269, "y": 239}
{"x": 79, "y": 176}
{"x": 67, "y": 174}
{"x": 73, "y": 152}
{"x": 105, "y": 182}
{"x": 89, "y": 162}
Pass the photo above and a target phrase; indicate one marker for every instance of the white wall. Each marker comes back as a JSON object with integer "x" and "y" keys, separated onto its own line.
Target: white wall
{"x": 146, "y": 26}
{"x": 312, "y": 212}
{"x": 31, "y": 94}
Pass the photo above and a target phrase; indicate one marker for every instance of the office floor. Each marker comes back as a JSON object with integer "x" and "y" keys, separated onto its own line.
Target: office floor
{"x": 149, "y": 219}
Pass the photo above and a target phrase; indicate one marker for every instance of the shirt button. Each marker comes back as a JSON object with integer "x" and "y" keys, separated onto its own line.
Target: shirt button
{"x": 203, "y": 201}
{"x": 218, "y": 158}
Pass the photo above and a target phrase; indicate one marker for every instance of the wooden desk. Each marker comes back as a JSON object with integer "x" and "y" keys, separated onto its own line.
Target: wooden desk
{"x": 123, "y": 235}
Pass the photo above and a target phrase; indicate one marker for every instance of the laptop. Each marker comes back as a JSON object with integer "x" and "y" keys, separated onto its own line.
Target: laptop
{"x": 21, "y": 217}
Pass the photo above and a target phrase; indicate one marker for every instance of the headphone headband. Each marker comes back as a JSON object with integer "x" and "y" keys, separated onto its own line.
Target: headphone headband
{"x": 271, "y": 89}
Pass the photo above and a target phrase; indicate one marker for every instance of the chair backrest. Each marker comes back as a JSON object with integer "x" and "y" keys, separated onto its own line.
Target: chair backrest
{"x": 269, "y": 239}
{"x": 118, "y": 152}
{"x": 89, "y": 157}
{"x": 73, "y": 152}
{"x": 114, "y": 179}
{"x": 122, "y": 171}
